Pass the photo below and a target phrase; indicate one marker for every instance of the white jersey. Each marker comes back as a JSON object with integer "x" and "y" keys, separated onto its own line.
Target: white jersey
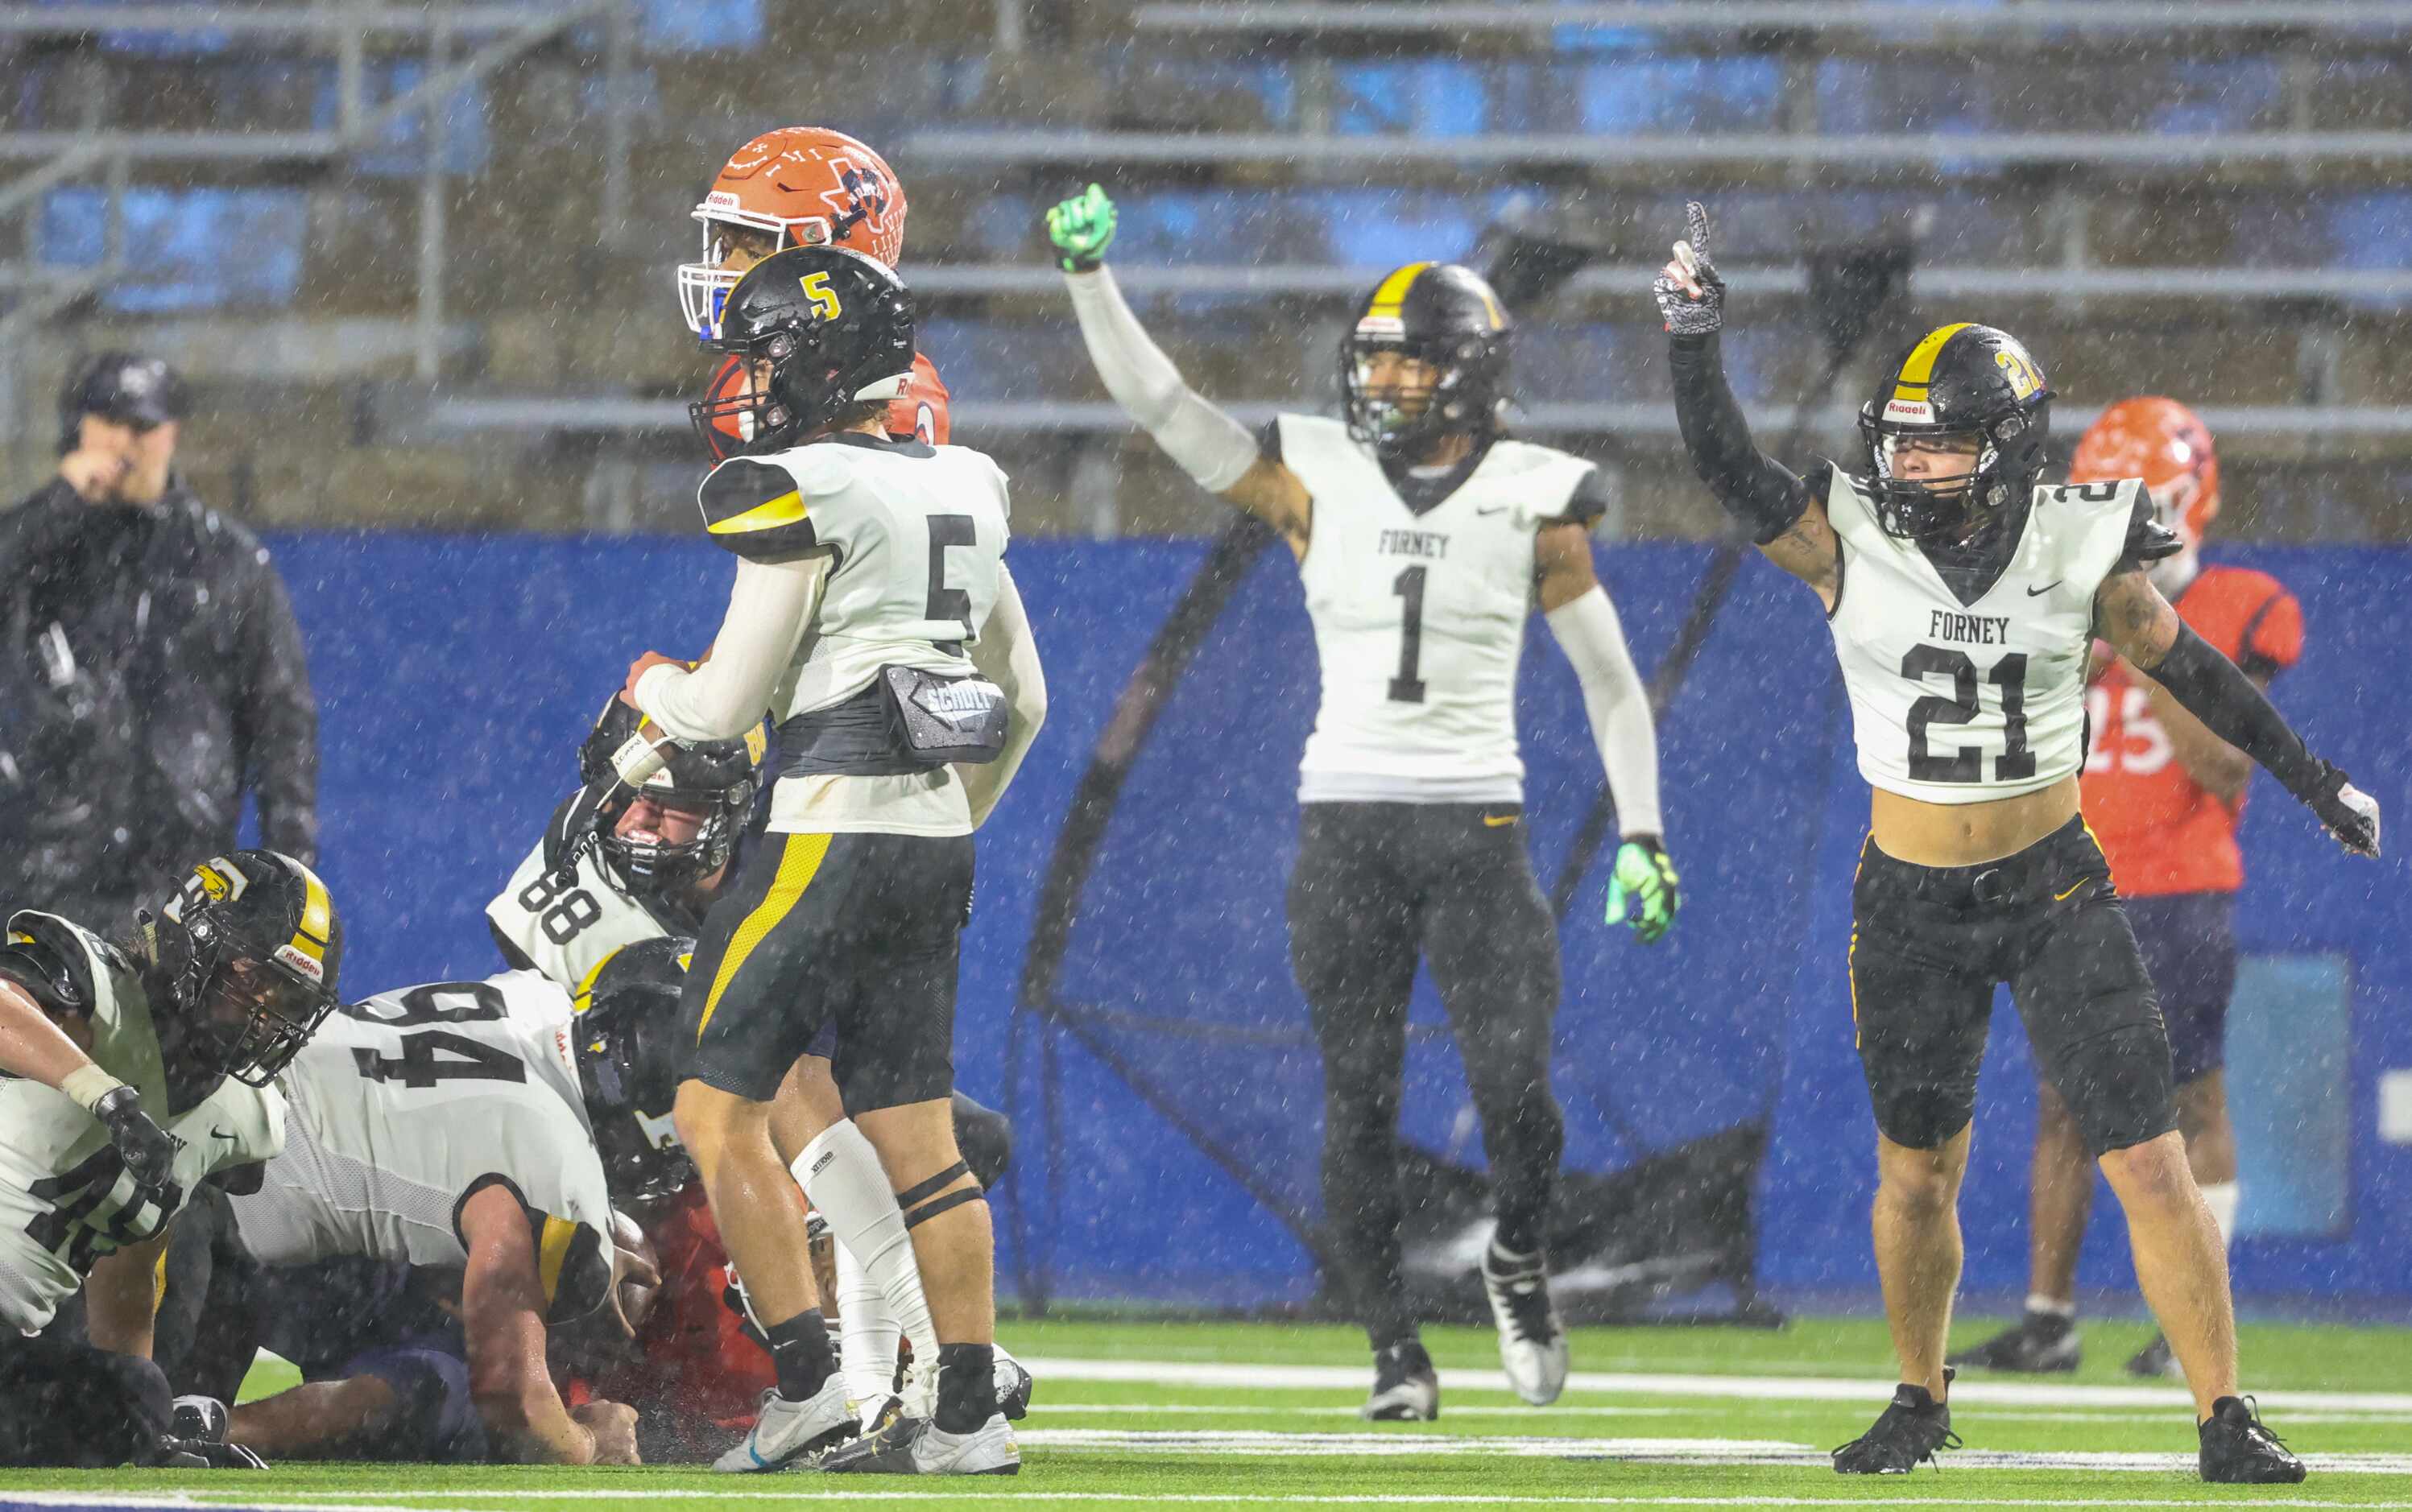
{"x": 567, "y": 933}
{"x": 63, "y": 1192}
{"x": 1420, "y": 617}
{"x": 1956, "y": 702}
{"x": 916, "y": 534}
{"x": 406, "y": 1104}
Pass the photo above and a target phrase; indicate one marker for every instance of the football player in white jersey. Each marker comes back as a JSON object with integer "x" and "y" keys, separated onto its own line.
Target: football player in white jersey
{"x": 873, "y": 617}
{"x": 1964, "y": 593}
{"x": 439, "y": 1126}
{"x": 1426, "y": 538}
{"x": 188, "y": 1023}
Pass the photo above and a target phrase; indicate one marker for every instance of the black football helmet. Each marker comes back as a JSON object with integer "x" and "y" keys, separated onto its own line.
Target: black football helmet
{"x": 249, "y": 947}
{"x": 626, "y": 1034}
{"x": 1966, "y": 382}
{"x": 718, "y": 779}
{"x": 1440, "y": 314}
{"x": 821, "y": 329}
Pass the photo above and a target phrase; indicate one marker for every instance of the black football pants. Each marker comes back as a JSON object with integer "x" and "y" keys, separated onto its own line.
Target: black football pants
{"x": 1377, "y": 887}
{"x": 67, "y": 1404}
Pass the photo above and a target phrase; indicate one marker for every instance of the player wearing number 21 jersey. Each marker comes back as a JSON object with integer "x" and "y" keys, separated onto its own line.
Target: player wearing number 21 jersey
{"x": 1964, "y": 593}
{"x": 1424, "y": 536}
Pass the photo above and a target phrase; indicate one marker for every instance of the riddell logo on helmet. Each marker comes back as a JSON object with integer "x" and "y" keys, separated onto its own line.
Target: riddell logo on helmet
{"x": 721, "y": 199}
{"x": 301, "y": 962}
{"x": 1903, "y": 409}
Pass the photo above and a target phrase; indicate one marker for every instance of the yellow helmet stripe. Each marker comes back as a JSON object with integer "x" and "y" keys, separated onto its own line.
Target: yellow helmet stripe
{"x": 785, "y": 509}
{"x": 1394, "y": 290}
{"x": 1919, "y": 370}
{"x": 318, "y": 917}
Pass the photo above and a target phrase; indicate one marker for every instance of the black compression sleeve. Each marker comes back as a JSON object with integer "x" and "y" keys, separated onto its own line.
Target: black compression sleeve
{"x": 2216, "y": 691}
{"x": 1760, "y": 493}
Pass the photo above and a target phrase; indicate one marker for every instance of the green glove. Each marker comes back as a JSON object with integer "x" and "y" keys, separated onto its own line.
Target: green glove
{"x": 1081, "y": 229}
{"x": 1644, "y": 872}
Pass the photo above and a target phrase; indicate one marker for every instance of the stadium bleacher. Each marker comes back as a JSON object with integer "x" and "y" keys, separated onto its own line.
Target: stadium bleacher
{"x": 428, "y": 282}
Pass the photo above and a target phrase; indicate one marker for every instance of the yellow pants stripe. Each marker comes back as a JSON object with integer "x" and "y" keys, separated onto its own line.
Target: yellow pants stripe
{"x": 799, "y": 861}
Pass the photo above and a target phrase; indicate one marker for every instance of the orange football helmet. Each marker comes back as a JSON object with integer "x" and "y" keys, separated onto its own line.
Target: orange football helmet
{"x": 807, "y": 186}
{"x": 2167, "y": 445}
{"x": 917, "y": 413}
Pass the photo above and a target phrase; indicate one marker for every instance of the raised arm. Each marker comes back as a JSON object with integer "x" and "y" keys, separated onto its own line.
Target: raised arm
{"x": 2131, "y": 615}
{"x": 1209, "y": 445}
{"x": 1783, "y": 515}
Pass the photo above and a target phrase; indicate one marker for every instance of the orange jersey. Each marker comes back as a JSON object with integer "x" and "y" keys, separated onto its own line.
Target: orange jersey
{"x": 2161, "y": 831}
{"x": 694, "y": 1362}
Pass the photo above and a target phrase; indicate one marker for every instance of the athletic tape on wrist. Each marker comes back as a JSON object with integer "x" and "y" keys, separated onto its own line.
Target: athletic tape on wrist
{"x": 88, "y": 1084}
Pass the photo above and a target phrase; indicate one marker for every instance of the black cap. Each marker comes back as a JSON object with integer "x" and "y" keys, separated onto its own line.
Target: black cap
{"x": 123, "y": 387}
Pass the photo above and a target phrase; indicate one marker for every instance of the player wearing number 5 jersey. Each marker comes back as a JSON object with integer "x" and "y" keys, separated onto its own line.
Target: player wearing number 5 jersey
{"x": 1424, "y": 536}
{"x": 2163, "y": 794}
{"x": 874, "y": 619}
{"x": 1964, "y": 593}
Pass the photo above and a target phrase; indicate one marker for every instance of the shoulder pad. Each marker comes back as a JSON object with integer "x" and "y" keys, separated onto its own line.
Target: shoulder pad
{"x": 757, "y": 509}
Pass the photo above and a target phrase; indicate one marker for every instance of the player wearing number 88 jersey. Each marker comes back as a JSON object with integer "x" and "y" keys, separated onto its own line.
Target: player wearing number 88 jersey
{"x": 1964, "y": 593}
{"x": 1426, "y": 538}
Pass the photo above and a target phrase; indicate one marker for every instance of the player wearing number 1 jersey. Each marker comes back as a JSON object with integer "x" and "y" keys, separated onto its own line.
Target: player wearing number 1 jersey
{"x": 2163, "y": 794}
{"x": 1964, "y": 593}
{"x": 1425, "y": 537}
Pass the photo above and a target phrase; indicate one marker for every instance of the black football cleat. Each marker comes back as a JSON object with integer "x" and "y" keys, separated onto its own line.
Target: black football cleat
{"x": 1904, "y": 1435}
{"x": 2238, "y": 1451}
{"x": 1406, "y": 1388}
{"x": 2156, "y": 1360}
{"x": 2036, "y": 1344}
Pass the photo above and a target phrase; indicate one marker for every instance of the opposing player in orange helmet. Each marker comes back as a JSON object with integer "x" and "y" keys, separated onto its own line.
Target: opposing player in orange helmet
{"x": 797, "y": 186}
{"x": 804, "y": 186}
{"x": 2163, "y": 795}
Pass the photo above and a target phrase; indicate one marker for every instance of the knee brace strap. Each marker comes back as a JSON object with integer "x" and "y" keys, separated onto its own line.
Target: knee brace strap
{"x": 935, "y": 1206}
{"x": 923, "y": 1191}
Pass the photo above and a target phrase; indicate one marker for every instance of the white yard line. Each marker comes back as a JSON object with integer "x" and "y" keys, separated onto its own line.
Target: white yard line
{"x": 388, "y": 1501}
{"x": 1760, "y": 1387}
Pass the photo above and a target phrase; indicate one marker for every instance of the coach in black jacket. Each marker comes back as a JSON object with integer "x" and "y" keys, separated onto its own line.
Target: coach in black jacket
{"x": 151, "y": 670}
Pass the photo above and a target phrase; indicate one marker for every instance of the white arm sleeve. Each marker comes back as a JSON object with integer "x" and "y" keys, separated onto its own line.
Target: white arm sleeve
{"x": 769, "y": 611}
{"x": 1618, "y": 706}
{"x": 1209, "y": 446}
{"x": 1008, "y": 655}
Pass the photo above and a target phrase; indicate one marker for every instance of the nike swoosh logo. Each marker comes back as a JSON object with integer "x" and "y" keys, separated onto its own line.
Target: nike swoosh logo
{"x": 2039, "y": 593}
{"x": 1498, "y": 821}
{"x": 2063, "y": 897}
{"x": 1494, "y": 509}
{"x": 220, "y": 1134}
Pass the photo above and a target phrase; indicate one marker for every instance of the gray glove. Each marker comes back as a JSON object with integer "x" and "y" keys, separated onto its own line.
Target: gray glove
{"x": 1690, "y": 295}
{"x": 148, "y": 1151}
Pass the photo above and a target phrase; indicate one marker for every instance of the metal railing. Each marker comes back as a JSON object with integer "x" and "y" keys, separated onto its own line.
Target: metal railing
{"x": 2351, "y": 20}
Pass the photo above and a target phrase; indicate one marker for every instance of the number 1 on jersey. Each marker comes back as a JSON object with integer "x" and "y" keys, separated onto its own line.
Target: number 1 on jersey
{"x": 1406, "y": 687}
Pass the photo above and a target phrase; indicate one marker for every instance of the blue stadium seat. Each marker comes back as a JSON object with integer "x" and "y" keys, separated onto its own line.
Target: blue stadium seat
{"x": 1645, "y": 94}
{"x": 1426, "y": 96}
{"x": 401, "y": 151}
{"x": 700, "y": 25}
{"x": 187, "y": 249}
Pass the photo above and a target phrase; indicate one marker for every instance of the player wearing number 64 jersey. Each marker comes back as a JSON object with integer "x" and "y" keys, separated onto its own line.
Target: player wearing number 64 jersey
{"x": 1424, "y": 536}
{"x": 1964, "y": 593}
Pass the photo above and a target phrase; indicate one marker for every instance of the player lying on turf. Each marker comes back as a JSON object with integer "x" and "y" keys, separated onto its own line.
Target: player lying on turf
{"x": 435, "y": 1128}
{"x": 665, "y": 851}
{"x": 1425, "y": 537}
{"x": 187, "y": 1025}
{"x": 1964, "y": 593}
{"x": 2163, "y": 795}
{"x": 873, "y": 616}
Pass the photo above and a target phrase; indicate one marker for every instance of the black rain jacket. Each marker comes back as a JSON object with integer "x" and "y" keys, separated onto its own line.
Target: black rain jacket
{"x": 151, "y": 671}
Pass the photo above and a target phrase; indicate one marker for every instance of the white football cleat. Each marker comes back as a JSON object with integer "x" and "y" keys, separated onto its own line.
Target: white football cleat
{"x": 1013, "y": 1387}
{"x": 917, "y": 1447}
{"x": 786, "y": 1432}
{"x": 1532, "y": 1339}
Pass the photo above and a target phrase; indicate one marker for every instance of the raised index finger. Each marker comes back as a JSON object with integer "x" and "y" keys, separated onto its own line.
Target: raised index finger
{"x": 1695, "y": 228}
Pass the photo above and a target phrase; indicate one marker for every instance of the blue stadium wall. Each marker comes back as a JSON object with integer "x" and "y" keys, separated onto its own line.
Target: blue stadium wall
{"x": 455, "y": 676}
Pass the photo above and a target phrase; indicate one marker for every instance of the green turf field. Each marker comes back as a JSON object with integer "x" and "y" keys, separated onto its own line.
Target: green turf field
{"x": 1190, "y": 1413}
